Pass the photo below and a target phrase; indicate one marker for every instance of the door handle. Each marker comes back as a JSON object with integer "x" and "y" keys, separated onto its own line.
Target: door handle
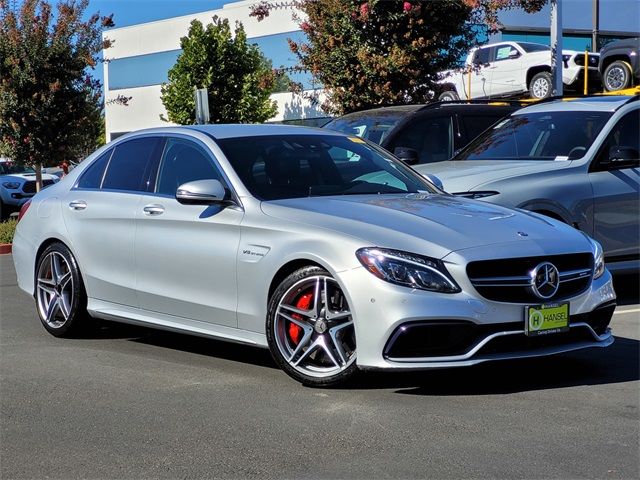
{"x": 153, "y": 209}
{"x": 78, "y": 205}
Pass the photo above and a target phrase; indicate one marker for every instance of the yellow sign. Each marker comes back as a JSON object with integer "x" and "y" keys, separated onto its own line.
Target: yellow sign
{"x": 545, "y": 319}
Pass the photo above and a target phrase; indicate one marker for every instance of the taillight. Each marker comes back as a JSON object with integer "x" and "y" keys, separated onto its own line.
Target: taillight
{"x": 23, "y": 209}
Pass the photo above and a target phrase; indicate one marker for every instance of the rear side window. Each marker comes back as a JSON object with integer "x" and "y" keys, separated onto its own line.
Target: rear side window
{"x": 92, "y": 177}
{"x": 133, "y": 165}
{"x": 481, "y": 56}
{"x": 476, "y": 124}
{"x": 182, "y": 162}
{"x": 431, "y": 137}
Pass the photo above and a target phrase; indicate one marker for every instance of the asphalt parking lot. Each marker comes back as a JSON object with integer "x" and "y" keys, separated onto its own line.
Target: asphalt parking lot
{"x": 138, "y": 403}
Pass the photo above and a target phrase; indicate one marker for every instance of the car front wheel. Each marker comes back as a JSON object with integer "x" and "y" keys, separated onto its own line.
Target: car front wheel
{"x": 60, "y": 295}
{"x": 617, "y": 76}
{"x": 310, "y": 329}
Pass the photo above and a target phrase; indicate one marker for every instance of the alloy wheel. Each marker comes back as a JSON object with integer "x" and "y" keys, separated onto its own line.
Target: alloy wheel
{"x": 616, "y": 78}
{"x": 540, "y": 88}
{"x": 55, "y": 290}
{"x": 313, "y": 328}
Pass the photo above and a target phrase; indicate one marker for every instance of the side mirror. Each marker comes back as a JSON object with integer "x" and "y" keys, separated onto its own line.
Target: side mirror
{"x": 433, "y": 179}
{"x": 514, "y": 53}
{"x": 201, "y": 192}
{"x": 623, "y": 157}
{"x": 407, "y": 155}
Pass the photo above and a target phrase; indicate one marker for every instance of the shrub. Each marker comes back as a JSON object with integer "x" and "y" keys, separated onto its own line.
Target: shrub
{"x": 7, "y": 230}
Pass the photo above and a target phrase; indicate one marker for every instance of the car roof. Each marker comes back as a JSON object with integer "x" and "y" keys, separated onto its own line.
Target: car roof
{"x": 586, "y": 104}
{"x": 233, "y": 130}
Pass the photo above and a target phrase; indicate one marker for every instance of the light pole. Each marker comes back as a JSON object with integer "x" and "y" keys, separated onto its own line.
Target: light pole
{"x": 595, "y": 15}
{"x": 556, "y": 46}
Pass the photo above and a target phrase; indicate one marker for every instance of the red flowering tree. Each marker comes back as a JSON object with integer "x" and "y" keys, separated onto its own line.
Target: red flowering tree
{"x": 50, "y": 106}
{"x": 368, "y": 53}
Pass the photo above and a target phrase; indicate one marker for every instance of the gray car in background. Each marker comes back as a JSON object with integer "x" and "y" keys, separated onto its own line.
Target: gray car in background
{"x": 576, "y": 161}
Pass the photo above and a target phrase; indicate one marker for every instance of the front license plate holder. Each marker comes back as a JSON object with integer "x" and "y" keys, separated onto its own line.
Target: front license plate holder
{"x": 546, "y": 319}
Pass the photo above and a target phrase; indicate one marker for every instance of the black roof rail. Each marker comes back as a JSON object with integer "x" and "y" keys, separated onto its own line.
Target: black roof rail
{"x": 496, "y": 101}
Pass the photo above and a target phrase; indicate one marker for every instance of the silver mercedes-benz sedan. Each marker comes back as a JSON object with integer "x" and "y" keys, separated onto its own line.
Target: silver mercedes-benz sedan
{"x": 320, "y": 246}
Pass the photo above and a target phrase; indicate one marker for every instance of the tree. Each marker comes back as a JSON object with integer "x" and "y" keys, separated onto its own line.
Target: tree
{"x": 368, "y": 53}
{"x": 50, "y": 106}
{"x": 237, "y": 76}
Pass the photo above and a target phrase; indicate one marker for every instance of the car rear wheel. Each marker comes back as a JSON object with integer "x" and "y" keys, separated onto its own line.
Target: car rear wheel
{"x": 60, "y": 295}
{"x": 617, "y": 76}
{"x": 541, "y": 86}
{"x": 448, "y": 96}
{"x": 310, "y": 329}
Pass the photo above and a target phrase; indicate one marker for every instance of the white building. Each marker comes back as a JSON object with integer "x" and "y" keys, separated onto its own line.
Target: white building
{"x": 142, "y": 55}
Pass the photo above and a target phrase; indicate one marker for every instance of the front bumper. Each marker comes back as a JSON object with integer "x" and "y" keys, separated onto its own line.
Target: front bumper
{"x": 382, "y": 309}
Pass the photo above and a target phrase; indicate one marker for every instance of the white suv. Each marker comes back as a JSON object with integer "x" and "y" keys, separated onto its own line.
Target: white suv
{"x": 513, "y": 68}
{"x": 17, "y": 185}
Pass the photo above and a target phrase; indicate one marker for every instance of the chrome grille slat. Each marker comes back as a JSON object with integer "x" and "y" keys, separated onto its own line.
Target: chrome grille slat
{"x": 511, "y": 280}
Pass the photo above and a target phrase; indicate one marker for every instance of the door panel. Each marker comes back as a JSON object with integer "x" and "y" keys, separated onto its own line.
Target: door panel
{"x": 505, "y": 71}
{"x": 102, "y": 236}
{"x": 186, "y": 260}
{"x": 616, "y": 192}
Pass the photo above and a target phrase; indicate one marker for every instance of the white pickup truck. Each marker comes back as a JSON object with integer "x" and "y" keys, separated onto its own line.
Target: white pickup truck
{"x": 514, "y": 68}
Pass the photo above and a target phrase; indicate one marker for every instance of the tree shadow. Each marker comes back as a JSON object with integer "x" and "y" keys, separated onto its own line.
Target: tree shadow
{"x": 298, "y": 108}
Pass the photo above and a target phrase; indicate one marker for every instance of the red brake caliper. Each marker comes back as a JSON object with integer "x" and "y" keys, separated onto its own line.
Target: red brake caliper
{"x": 295, "y": 332}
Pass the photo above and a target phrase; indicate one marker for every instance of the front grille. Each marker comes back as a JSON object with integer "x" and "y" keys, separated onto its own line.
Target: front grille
{"x": 445, "y": 338}
{"x": 510, "y": 280}
{"x": 593, "y": 60}
{"x": 30, "y": 187}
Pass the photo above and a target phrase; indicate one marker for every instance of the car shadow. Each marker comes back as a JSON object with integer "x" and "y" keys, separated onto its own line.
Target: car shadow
{"x": 618, "y": 363}
{"x": 627, "y": 287}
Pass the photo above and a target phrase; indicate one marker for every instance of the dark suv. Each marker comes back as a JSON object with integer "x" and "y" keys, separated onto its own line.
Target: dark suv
{"x": 424, "y": 133}
{"x": 620, "y": 64}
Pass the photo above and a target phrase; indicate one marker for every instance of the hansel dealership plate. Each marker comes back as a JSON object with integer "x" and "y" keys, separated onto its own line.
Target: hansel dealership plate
{"x": 545, "y": 319}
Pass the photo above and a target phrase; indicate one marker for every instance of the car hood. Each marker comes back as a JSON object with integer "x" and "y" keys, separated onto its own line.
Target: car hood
{"x": 434, "y": 224}
{"x": 466, "y": 175}
{"x": 26, "y": 176}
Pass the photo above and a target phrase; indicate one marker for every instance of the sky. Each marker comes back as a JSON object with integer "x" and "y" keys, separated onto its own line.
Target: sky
{"x": 618, "y": 15}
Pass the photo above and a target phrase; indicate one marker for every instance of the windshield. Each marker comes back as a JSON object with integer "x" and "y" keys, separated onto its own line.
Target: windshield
{"x": 293, "y": 166}
{"x": 538, "y": 136}
{"x": 7, "y": 168}
{"x": 372, "y": 127}
{"x": 534, "y": 47}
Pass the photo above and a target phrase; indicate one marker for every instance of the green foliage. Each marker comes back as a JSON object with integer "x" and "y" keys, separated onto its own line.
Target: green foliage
{"x": 7, "y": 229}
{"x": 50, "y": 108}
{"x": 368, "y": 53}
{"x": 237, "y": 76}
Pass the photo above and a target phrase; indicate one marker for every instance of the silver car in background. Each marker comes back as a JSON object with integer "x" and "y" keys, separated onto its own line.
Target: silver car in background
{"x": 576, "y": 161}
{"x": 319, "y": 246}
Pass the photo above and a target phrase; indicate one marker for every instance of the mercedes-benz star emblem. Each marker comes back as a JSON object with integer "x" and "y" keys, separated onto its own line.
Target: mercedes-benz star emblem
{"x": 545, "y": 280}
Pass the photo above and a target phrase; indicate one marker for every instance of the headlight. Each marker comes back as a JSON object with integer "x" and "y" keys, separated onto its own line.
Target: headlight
{"x": 598, "y": 257}
{"x": 11, "y": 185}
{"x": 407, "y": 269}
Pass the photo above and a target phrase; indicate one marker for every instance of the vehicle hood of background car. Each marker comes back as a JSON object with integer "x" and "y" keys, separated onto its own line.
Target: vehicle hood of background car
{"x": 21, "y": 177}
{"x": 466, "y": 175}
{"x": 435, "y": 223}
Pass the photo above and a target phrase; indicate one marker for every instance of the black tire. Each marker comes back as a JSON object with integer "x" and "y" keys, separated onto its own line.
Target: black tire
{"x": 448, "y": 96}
{"x": 617, "y": 76}
{"x": 279, "y": 330}
{"x": 69, "y": 317}
{"x": 541, "y": 86}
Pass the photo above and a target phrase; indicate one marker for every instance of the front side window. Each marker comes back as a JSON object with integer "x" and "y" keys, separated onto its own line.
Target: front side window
{"x": 431, "y": 137}
{"x": 624, "y": 134}
{"x": 132, "y": 165}
{"x": 293, "y": 166}
{"x": 538, "y": 136}
{"x": 182, "y": 162}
